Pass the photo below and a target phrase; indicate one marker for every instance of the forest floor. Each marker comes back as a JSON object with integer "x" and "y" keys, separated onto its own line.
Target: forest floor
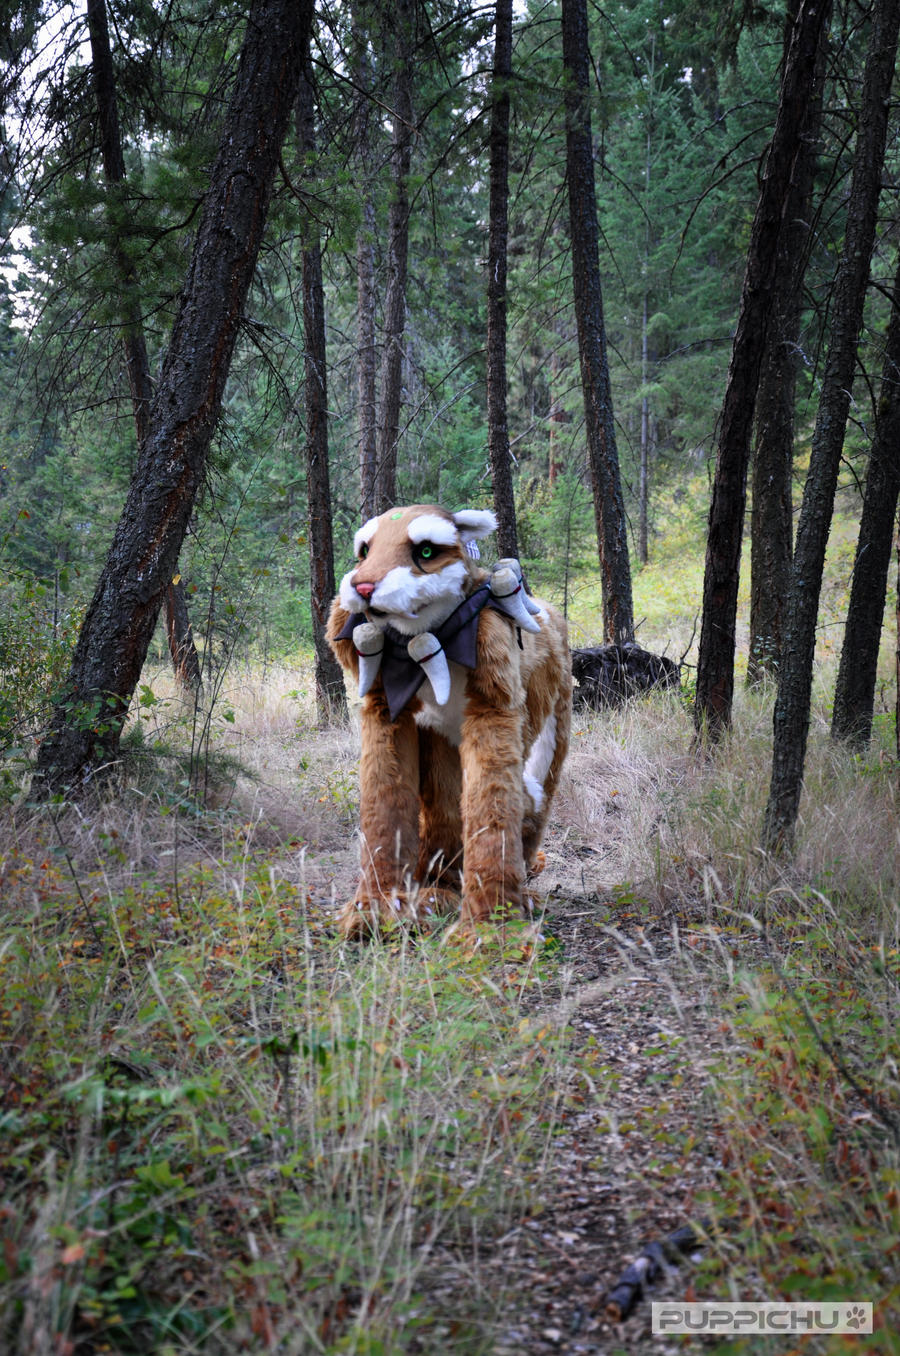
{"x": 392, "y": 1147}
{"x": 638, "y": 1151}
{"x": 653, "y": 916}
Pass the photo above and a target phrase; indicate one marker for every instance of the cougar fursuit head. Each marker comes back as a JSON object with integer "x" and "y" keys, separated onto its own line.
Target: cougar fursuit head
{"x": 467, "y": 694}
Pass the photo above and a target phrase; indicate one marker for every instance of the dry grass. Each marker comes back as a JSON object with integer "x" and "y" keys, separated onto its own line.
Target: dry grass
{"x": 637, "y": 808}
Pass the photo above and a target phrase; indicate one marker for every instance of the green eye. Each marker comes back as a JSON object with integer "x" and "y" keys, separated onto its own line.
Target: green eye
{"x": 364, "y": 550}
{"x": 424, "y": 550}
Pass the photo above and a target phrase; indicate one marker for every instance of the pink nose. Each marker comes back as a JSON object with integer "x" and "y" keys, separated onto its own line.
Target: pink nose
{"x": 365, "y": 590}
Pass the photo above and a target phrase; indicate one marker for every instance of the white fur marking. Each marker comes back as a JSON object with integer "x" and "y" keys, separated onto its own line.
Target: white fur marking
{"x": 350, "y": 599}
{"x": 413, "y": 602}
{"x": 539, "y": 761}
{"x": 364, "y": 535}
{"x": 448, "y": 718}
{"x": 429, "y": 527}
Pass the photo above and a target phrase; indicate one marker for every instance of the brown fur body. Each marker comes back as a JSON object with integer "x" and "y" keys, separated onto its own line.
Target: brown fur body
{"x": 443, "y": 802}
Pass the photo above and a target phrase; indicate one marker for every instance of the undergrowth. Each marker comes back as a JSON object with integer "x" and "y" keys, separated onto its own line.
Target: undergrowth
{"x": 223, "y": 1130}
{"x": 807, "y": 1202}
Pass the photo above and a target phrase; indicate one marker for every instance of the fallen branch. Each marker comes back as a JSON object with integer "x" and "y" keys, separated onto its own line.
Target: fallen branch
{"x": 647, "y": 1268}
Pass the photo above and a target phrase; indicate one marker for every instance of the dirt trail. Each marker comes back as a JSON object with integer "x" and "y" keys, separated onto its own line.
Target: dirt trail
{"x": 633, "y": 1159}
{"x": 637, "y": 1149}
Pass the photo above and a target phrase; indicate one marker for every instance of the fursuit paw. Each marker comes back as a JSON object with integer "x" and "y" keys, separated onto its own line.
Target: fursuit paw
{"x": 361, "y": 918}
{"x": 537, "y": 864}
{"x": 435, "y": 901}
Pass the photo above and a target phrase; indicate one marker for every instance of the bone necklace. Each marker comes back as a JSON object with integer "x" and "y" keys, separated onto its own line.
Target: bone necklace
{"x": 404, "y": 663}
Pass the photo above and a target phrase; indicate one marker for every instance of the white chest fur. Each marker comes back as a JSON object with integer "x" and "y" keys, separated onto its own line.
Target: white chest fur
{"x": 446, "y": 720}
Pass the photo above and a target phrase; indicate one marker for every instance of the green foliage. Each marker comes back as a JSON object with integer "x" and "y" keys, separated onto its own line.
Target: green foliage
{"x": 811, "y": 1118}
{"x": 556, "y": 537}
{"x": 37, "y": 633}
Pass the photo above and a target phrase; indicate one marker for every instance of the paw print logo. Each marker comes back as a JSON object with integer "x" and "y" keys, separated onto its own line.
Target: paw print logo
{"x": 855, "y": 1317}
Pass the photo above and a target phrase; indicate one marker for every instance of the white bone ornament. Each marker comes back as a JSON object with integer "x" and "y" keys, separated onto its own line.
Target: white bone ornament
{"x": 510, "y": 563}
{"x": 510, "y": 596}
{"x": 369, "y": 643}
{"x": 426, "y": 650}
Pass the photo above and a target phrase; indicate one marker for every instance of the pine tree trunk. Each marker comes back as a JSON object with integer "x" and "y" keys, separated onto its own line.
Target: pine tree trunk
{"x": 792, "y": 706}
{"x": 897, "y": 647}
{"x": 366, "y": 361}
{"x": 331, "y": 699}
{"x": 180, "y": 635}
{"x": 119, "y": 623}
{"x": 498, "y": 236}
{"x": 644, "y": 465}
{"x": 366, "y": 364}
{"x": 185, "y": 663}
{"x": 771, "y": 517}
{"x": 403, "y": 13}
{"x": 557, "y": 415}
{"x": 854, "y": 696}
{"x": 609, "y": 510}
{"x": 644, "y": 470}
{"x": 715, "y": 666}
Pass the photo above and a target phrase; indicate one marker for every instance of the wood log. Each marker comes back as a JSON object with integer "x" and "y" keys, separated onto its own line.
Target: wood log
{"x": 647, "y": 1268}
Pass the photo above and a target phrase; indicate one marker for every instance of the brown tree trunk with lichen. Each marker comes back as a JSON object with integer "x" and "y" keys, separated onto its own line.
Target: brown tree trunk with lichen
{"x": 792, "y": 705}
{"x": 715, "y": 665}
{"x": 331, "y": 699}
{"x": 897, "y": 646}
{"x": 397, "y": 245}
{"x": 854, "y": 693}
{"x": 498, "y": 237}
{"x": 771, "y": 514}
{"x": 116, "y": 632}
{"x": 609, "y": 509}
{"x": 180, "y": 636}
{"x": 366, "y": 364}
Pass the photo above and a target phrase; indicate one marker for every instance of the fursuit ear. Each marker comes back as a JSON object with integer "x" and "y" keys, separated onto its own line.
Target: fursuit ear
{"x": 472, "y": 525}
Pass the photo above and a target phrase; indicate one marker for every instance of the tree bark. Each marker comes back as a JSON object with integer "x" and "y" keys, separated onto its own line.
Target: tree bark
{"x": 331, "y": 698}
{"x": 179, "y": 633}
{"x": 609, "y": 509}
{"x": 397, "y": 259}
{"x": 644, "y": 468}
{"x": 558, "y": 416}
{"x": 897, "y": 647}
{"x": 498, "y": 236}
{"x": 854, "y": 697}
{"x": 366, "y": 363}
{"x": 771, "y": 516}
{"x": 715, "y": 667}
{"x": 178, "y": 626}
{"x": 117, "y": 628}
{"x": 365, "y": 283}
{"x": 792, "y": 706}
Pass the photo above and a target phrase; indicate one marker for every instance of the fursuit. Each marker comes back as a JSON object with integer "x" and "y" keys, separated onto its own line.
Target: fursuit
{"x": 467, "y": 697}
